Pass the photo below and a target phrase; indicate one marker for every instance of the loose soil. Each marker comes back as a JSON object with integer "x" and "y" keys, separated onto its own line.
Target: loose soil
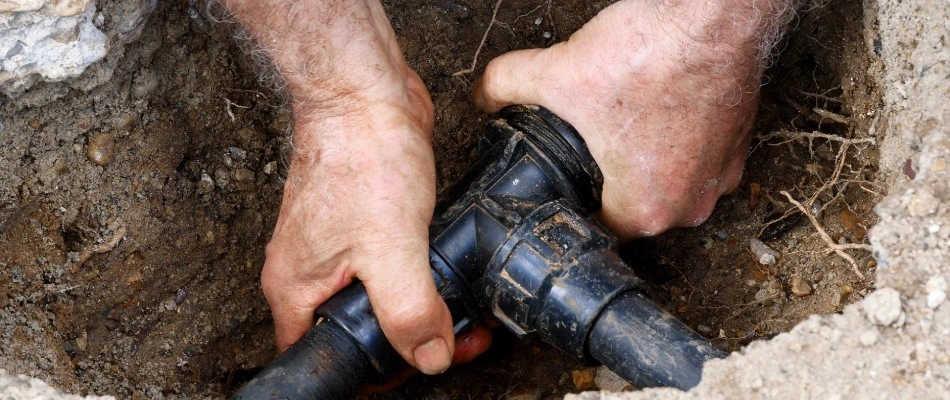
{"x": 192, "y": 151}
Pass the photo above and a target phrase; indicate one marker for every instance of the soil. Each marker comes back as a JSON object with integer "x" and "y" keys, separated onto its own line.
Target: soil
{"x": 181, "y": 156}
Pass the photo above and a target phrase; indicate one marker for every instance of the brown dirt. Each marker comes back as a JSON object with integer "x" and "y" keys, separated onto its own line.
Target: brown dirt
{"x": 112, "y": 326}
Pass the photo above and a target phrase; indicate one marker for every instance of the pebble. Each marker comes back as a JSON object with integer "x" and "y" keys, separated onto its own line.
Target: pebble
{"x": 243, "y": 175}
{"x": 237, "y": 154}
{"x": 841, "y": 296}
{"x": 854, "y": 224}
{"x": 869, "y": 337}
{"x": 82, "y": 342}
{"x": 101, "y": 148}
{"x": 584, "y": 379}
{"x": 270, "y": 167}
{"x": 169, "y": 305}
{"x": 180, "y": 296}
{"x": 764, "y": 254}
{"x": 721, "y": 234}
{"x": 883, "y": 307}
{"x": 704, "y": 329}
{"x": 936, "y": 291}
{"x": 800, "y": 287}
{"x": 206, "y": 184}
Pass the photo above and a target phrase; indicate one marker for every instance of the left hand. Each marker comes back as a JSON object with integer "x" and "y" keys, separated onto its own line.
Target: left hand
{"x": 664, "y": 95}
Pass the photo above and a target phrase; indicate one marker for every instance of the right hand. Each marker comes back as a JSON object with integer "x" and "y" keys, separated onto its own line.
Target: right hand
{"x": 360, "y": 194}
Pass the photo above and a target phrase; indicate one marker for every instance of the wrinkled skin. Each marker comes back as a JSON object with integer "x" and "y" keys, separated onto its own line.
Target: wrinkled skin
{"x": 662, "y": 92}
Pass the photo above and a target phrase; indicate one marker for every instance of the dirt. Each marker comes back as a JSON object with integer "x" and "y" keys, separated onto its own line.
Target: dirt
{"x": 188, "y": 173}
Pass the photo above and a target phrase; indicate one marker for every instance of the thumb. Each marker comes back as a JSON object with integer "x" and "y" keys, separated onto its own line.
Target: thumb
{"x": 413, "y": 316}
{"x": 512, "y": 78}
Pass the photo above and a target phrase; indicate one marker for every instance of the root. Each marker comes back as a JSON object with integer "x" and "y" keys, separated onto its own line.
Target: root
{"x": 494, "y": 18}
{"x": 98, "y": 249}
{"x": 838, "y": 249}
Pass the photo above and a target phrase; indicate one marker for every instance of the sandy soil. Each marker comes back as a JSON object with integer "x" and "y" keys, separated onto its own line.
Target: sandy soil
{"x": 133, "y": 215}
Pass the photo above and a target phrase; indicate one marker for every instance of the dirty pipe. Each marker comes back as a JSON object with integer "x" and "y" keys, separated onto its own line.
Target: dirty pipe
{"x": 513, "y": 242}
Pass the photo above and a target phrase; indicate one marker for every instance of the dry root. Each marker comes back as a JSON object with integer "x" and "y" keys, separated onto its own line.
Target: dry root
{"x": 837, "y": 248}
{"x": 99, "y": 249}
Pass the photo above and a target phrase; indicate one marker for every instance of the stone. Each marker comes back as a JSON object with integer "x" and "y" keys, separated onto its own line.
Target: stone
{"x": 101, "y": 148}
{"x": 584, "y": 379}
{"x": 764, "y": 254}
{"x": 800, "y": 287}
{"x": 47, "y": 40}
{"x": 883, "y": 307}
{"x": 936, "y": 291}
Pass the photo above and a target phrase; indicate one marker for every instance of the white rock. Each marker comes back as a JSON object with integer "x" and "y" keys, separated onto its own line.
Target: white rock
{"x": 883, "y": 307}
{"x": 936, "y": 291}
{"x": 52, "y": 43}
{"x": 763, "y": 253}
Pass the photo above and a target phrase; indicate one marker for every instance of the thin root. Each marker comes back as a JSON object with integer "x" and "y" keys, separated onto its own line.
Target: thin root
{"x": 494, "y": 17}
{"x": 838, "y": 249}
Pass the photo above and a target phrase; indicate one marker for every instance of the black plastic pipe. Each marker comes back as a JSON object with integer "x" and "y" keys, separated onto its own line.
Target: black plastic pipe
{"x": 621, "y": 340}
{"x": 513, "y": 242}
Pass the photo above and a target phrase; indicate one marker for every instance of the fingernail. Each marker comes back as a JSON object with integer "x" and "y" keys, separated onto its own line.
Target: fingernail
{"x": 432, "y": 357}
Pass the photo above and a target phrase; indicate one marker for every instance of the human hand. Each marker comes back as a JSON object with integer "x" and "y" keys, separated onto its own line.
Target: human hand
{"x": 360, "y": 191}
{"x": 664, "y": 96}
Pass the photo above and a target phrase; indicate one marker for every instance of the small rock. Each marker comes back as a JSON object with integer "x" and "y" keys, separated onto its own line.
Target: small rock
{"x": 524, "y": 394}
{"x": 584, "y": 379}
{"x": 841, "y": 296}
{"x": 237, "y": 154}
{"x": 721, "y": 234}
{"x": 936, "y": 291}
{"x": 883, "y": 307}
{"x": 608, "y": 380}
{"x": 169, "y": 305}
{"x": 180, "y": 296}
{"x": 82, "y": 342}
{"x": 270, "y": 167}
{"x": 853, "y": 224}
{"x": 206, "y": 184}
{"x": 869, "y": 337}
{"x": 704, "y": 329}
{"x": 243, "y": 175}
{"x": 101, "y": 148}
{"x": 764, "y": 254}
{"x": 800, "y": 287}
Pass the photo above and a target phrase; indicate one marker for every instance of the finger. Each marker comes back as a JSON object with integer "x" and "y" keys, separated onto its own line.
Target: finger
{"x": 292, "y": 305}
{"x": 471, "y": 344}
{"x": 412, "y": 314}
{"x": 512, "y": 78}
{"x": 468, "y": 345}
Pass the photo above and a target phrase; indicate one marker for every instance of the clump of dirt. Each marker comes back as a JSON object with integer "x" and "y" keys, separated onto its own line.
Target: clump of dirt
{"x": 133, "y": 216}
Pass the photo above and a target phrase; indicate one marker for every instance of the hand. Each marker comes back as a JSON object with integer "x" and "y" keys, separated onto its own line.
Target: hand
{"x": 663, "y": 94}
{"x": 361, "y": 187}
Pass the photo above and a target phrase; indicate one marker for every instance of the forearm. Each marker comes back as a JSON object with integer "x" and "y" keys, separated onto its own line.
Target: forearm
{"x": 342, "y": 70}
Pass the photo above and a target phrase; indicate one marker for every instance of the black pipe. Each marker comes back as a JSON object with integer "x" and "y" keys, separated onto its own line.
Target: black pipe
{"x": 647, "y": 346}
{"x": 515, "y": 242}
{"x": 325, "y": 364}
